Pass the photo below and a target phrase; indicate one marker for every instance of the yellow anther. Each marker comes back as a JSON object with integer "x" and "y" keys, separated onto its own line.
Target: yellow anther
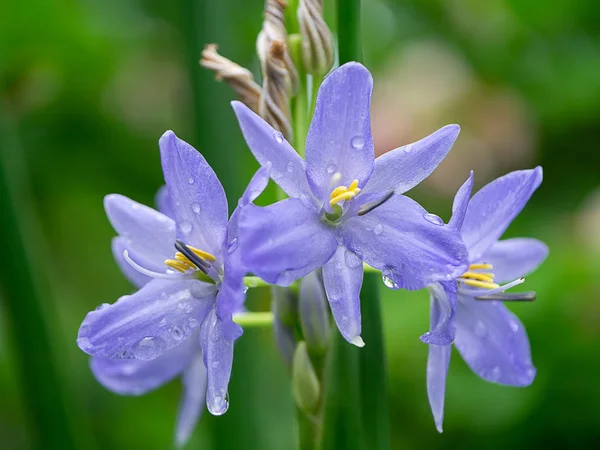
{"x": 479, "y": 276}
{"x": 202, "y": 254}
{"x": 481, "y": 284}
{"x": 343, "y": 193}
{"x": 177, "y": 265}
{"x": 184, "y": 260}
{"x": 480, "y": 266}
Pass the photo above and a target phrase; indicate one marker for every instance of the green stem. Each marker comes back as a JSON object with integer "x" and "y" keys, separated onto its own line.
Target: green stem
{"x": 254, "y": 319}
{"x": 348, "y": 16}
{"x": 254, "y": 282}
{"x": 300, "y": 106}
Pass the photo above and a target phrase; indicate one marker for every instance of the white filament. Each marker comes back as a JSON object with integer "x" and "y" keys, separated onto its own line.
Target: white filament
{"x": 484, "y": 292}
{"x": 152, "y": 274}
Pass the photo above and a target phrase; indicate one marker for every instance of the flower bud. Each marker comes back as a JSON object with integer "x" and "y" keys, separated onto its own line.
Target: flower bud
{"x": 305, "y": 384}
{"x": 314, "y": 312}
{"x": 284, "y": 304}
{"x": 317, "y": 42}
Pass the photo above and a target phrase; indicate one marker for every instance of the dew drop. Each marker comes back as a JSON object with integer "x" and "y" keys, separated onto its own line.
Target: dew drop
{"x": 193, "y": 322}
{"x": 432, "y": 218}
{"x": 480, "y": 329}
{"x": 388, "y": 282}
{"x": 149, "y": 348}
{"x": 408, "y": 148}
{"x": 176, "y": 333}
{"x": 357, "y": 142}
{"x": 84, "y": 329}
{"x": 352, "y": 261}
{"x": 278, "y": 137}
{"x": 495, "y": 373}
{"x": 290, "y": 167}
{"x": 163, "y": 322}
{"x": 219, "y": 405}
{"x": 216, "y": 364}
{"x": 514, "y": 326}
{"x": 84, "y": 343}
{"x": 378, "y": 229}
{"x": 101, "y": 306}
{"x": 196, "y": 207}
{"x": 185, "y": 227}
{"x": 191, "y": 180}
{"x": 330, "y": 168}
{"x": 233, "y": 245}
{"x": 245, "y": 289}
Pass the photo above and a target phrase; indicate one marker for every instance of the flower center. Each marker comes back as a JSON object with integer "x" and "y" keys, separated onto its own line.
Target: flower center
{"x": 474, "y": 277}
{"x": 188, "y": 257}
{"x": 343, "y": 193}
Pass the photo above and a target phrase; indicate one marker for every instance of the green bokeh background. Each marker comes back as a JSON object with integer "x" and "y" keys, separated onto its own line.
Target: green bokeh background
{"x": 88, "y": 87}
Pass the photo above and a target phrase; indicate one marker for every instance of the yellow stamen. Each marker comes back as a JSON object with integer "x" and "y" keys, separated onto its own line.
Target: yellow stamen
{"x": 481, "y": 284}
{"x": 184, "y": 260}
{"x": 177, "y": 265}
{"x": 479, "y": 276}
{"x": 202, "y": 254}
{"x": 480, "y": 266}
{"x": 343, "y": 193}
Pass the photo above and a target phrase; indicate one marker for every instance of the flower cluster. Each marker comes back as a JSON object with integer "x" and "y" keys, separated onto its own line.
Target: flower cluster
{"x": 346, "y": 213}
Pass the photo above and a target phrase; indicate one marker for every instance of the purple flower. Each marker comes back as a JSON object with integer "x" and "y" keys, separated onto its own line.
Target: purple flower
{"x": 491, "y": 339}
{"x": 346, "y": 208}
{"x": 185, "y": 263}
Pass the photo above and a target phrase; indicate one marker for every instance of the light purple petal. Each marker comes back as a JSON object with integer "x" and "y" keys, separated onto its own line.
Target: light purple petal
{"x": 192, "y": 402}
{"x": 339, "y": 138}
{"x": 343, "y": 276}
{"x": 119, "y": 245}
{"x": 268, "y": 145}
{"x": 515, "y": 258}
{"x": 135, "y": 377}
{"x": 443, "y": 310}
{"x": 493, "y": 342}
{"x": 162, "y": 200}
{"x": 410, "y": 246}
{"x": 230, "y": 300}
{"x": 438, "y": 361}
{"x": 147, "y": 323}
{"x": 284, "y": 241}
{"x": 197, "y": 197}
{"x": 405, "y": 167}
{"x": 148, "y": 233}
{"x": 461, "y": 203}
{"x": 218, "y": 358}
{"x": 493, "y": 208}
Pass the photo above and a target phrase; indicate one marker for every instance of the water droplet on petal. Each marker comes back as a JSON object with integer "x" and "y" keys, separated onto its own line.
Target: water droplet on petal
{"x": 163, "y": 322}
{"x": 196, "y": 207}
{"x": 278, "y": 137}
{"x": 193, "y": 322}
{"x": 480, "y": 329}
{"x": 495, "y": 373}
{"x": 101, "y": 306}
{"x": 245, "y": 289}
{"x": 408, "y": 148}
{"x": 185, "y": 227}
{"x": 176, "y": 333}
{"x": 290, "y": 167}
{"x": 432, "y": 218}
{"x": 514, "y": 326}
{"x": 357, "y": 142}
{"x": 149, "y": 348}
{"x": 84, "y": 344}
{"x": 191, "y": 180}
{"x": 233, "y": 245}
{"x": 352, "y": 261}
{"x": 219, "y": 405}
{"x": 216, "y": 364}
{"x": 330, "y": 168}
{"x": 378, "y": 229}
{"x": 388, "y": 281}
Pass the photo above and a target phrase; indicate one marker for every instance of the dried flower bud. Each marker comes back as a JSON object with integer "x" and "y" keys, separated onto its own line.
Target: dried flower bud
{"x": 239, "y": 78}
{"x": 314, "y": 312}
{"x": 305, "y": 384}
{"x": 317, "y": 42}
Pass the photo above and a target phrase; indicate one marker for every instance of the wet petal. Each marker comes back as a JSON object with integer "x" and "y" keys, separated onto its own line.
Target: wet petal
{"x": 461, "y": 203}
{"x": 119, "y": 245}
{"x": 405, "y": 167}
{"x": 162, "y": 200}
{"x": 284, "y": 241}
{"x": 147, "y": 323}
{"x": 343, "y": 276}
{"x": 146, "y": 232}
{"x": 218, "y": 357}
{"x": 268, "y": 145}
{"x": 197, "y": 197}
{"x": 515, "y": 258}
{"x": 438, "y": 361}
{"x": 443, "y": 310}
{"x": 339, "y": 138}
{"x": 493, "y": 342}
{"x": 135, "y": 377}
{"x": 192, "y": 402}
{"x": 410, "y": 246}
{"x": 493, "y": 208}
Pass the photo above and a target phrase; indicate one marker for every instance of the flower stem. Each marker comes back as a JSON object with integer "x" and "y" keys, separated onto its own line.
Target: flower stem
{"x": 253, "y": 282}
{"x": 300, "y": 107}
{"x": 254, "y": 319}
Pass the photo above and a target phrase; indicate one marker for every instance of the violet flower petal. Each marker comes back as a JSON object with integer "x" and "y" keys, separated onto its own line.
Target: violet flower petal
{"x": 268, "y": 145}
{"x": 493, "y": 208}
{"x": 405, "y": 167}
{"x": 162, "y": 200}
{"x": 148, "y": 233}
{"x": 515, "y": 258}
{"x": 197, "y": 197}
{"x": 119, "y": 245}
{"x": 438, "y": 361}
{"x": 192, "y": 402}
{"x": 410, "y": 246}
{"x": 218, "y": 359}
{"x": 493, "y": 342}
{"x": 284, "y": 241}
{"x": 342, "y": 277}
{"x": 443, "y": 310}
{"x": 339, "y": 138}
{"x": 135, "y": 377}
{"x": 147, "y": 323}
{"x": 461, "y": 203}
